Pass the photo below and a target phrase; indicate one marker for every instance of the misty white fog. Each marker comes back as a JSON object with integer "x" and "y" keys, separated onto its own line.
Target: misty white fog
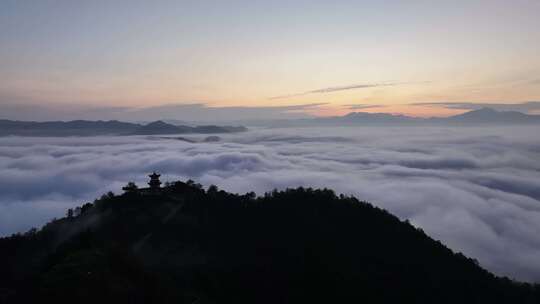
{"x": 475, "y": 189}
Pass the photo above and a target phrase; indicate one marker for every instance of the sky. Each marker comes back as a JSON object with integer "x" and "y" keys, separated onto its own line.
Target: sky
{"x": 406, "y": 56}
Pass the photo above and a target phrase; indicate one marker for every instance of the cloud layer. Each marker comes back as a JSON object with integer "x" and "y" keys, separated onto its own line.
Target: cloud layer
{"x": 475, "y": 189}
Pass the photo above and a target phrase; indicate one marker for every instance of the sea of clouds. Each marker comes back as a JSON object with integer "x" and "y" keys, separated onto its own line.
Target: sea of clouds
{"x": 475, "y": 189}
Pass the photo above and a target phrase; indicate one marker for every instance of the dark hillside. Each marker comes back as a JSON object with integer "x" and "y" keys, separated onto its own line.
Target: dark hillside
{"x": 184, "y": 244}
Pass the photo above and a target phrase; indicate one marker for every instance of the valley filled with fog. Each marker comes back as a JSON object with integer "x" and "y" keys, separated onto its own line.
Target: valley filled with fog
{"x": 475, "y": 189}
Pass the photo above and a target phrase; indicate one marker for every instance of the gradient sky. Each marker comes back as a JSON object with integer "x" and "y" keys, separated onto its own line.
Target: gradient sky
{"x": 270, "y": 53}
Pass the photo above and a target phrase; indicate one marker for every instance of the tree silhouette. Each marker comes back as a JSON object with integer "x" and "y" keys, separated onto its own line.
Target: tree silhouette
{"x": 131, "y": 187}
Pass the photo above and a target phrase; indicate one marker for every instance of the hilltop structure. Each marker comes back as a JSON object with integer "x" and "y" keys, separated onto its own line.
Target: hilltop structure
{"x": 154, "y": 185}
{"x": 154, "y": 182}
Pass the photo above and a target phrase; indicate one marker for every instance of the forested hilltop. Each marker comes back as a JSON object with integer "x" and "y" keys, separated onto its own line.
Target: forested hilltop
{"x": 184, "y": 244}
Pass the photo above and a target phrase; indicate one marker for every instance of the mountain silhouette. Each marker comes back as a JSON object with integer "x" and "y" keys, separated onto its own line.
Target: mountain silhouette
{"x": 185, "y": 244}
{"x": 484, "y": 116}
{"x": 160, "y": 127}
{"x": 94, "y": 128}
{"x": 488, "y": 115}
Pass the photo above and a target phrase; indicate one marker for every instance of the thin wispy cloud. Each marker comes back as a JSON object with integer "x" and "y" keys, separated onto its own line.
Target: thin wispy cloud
{"x": 351, "y": 87}
{"x": 336, "y": 89}
{"x": 347, "y": 88}
{"x": 362, "y": 106}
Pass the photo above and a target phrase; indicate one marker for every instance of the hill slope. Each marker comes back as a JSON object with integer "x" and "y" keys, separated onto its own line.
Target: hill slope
{"x": 184, "y": 244}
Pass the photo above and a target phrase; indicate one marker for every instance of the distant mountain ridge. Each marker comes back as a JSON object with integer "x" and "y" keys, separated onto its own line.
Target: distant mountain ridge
{"x": 483, "y": 116}
{"x": 112, "y": 127}
{"x": 474, "y": 117}
{"x": 488, "y": 115}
